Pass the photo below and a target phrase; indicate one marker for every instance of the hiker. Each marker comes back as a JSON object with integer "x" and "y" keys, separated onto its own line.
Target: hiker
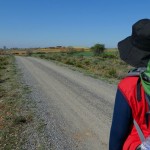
{"x": 130, "y": 128}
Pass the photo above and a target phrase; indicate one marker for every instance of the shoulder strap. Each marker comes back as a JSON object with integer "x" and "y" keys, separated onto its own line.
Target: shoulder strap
{"x": 138, "y": 90}
{"x": 136, "y": 71}
{"x": 140, "y": 133}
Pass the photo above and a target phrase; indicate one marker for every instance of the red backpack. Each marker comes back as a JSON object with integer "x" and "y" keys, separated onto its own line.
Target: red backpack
{"x": 139, "y": 102}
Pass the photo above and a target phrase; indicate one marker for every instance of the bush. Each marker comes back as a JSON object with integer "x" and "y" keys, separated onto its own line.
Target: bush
{"x": 98, "y": 49}
{"x": 111, "y": 56}
{"x": 112, "y": 72}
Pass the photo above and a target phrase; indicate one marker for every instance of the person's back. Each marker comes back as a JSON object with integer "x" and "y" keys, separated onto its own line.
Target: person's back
{"x": 130, "y": 125}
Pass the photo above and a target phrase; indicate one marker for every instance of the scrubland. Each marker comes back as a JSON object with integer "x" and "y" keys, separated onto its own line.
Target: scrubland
{"x": 107, "y": 65}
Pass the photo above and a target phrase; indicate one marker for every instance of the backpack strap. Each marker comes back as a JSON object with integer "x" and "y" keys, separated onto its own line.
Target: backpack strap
{"x": 147, "y": 115}
{"x": 136, "y": 72}
{"x": 138, "y": 90}
{"x": 140, "y": 133}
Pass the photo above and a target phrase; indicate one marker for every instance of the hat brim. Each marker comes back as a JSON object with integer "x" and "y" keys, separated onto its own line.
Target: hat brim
{"x": 131, "y": 54}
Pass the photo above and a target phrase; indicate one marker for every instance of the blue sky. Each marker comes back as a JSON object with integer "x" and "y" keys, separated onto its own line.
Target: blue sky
{"x": 44, "y": 23}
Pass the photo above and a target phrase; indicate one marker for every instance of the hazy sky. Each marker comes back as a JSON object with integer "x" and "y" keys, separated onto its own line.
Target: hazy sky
{"x": 44, "y": 23}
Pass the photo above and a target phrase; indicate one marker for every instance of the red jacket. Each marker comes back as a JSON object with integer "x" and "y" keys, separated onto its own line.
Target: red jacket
{"x": 139, "y": 109}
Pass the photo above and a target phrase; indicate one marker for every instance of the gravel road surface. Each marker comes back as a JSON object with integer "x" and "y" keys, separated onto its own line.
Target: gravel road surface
{"x": 75, "y": 109}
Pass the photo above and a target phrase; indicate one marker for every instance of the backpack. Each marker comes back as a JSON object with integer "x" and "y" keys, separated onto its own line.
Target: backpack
{"x": 143, "y": 75}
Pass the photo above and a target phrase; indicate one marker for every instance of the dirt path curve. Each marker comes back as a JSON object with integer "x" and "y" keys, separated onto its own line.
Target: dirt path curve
{"x": 81, "y": 105}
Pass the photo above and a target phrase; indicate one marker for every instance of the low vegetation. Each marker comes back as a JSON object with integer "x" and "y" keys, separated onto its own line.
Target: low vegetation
{"x": 106, "y": 65}
{"x": 12, "y": 118}
{"x": 98, "y": 49}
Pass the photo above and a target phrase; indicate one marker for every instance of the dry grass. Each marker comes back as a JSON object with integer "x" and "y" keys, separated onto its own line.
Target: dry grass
{"x": 11, "y": 101}
{"x": 27, "y": 52}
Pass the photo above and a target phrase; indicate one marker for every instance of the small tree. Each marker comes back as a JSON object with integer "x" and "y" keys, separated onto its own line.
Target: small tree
{"x": 98, "y": 49}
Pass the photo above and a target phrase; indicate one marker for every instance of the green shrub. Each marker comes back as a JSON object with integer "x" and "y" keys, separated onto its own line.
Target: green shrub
{"x": 106, "y": 55}
{"x": 98, "y": 49}
{"x": 112, "y": 72}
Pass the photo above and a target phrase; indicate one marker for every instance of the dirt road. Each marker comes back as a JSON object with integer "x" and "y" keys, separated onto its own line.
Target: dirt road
{"x": 78, "y": 108}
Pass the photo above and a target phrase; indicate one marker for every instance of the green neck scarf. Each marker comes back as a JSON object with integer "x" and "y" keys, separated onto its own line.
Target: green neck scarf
{"x": 145, "y": 83}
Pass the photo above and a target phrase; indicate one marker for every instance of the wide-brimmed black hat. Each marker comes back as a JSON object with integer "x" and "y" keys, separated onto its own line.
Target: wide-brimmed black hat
{"x": 135, "y": 49}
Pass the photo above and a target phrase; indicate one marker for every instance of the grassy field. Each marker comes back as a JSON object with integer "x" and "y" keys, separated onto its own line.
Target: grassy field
{"x": 12, "y": 117}
{"x": 106, "y": 66}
